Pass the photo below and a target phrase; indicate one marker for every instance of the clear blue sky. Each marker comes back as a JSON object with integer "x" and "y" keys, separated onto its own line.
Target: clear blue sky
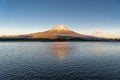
{"x": 83, "y": 16}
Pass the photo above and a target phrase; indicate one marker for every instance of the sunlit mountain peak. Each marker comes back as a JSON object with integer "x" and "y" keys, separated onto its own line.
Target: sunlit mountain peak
{"x": 60, "y": 28}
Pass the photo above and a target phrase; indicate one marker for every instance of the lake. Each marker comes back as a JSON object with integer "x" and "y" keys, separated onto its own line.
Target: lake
{"x": 59, "y": 60}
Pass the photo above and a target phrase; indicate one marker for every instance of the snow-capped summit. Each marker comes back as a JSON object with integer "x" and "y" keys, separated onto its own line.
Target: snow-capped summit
{"x": 60, "y": 28}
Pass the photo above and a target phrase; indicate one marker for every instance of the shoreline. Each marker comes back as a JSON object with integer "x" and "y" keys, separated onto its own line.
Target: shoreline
{"x": 56, "y": 40}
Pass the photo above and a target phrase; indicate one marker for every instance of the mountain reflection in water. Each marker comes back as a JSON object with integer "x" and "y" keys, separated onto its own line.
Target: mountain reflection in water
{"x": 60, "y": 50}
{"x": 97, "y": 49}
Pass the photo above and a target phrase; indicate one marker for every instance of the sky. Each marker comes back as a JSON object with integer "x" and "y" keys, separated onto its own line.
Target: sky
{"x": 82, "y": 16}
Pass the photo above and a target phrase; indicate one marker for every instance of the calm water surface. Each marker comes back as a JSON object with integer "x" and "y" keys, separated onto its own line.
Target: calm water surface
{"x": 59, "y": 61}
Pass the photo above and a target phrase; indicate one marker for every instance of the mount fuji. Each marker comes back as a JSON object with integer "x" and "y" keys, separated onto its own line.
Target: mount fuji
{"x": 57, "y": 32}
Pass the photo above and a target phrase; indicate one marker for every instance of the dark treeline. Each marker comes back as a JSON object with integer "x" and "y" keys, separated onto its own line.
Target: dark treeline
{"x": 56, "y": 40}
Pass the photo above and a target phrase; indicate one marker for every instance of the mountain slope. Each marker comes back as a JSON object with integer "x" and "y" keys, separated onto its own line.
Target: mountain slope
{"x": 59, "y": 30}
